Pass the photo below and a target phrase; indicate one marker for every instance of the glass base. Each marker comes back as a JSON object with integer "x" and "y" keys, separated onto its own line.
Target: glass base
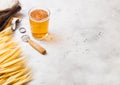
{"x": 39, "y": 36}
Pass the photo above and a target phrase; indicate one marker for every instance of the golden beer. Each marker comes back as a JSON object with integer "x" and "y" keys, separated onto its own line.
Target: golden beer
{"x": 39, "y": 20}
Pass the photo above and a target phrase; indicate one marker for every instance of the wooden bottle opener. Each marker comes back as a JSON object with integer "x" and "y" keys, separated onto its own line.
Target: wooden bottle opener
{"x": 35, "y": 45}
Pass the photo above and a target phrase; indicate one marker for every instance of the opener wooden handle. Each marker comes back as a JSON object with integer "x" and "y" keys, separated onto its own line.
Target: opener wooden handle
{"x": 37, "y": 47}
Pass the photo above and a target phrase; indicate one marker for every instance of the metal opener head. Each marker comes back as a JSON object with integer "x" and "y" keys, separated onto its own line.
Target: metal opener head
{"x": 14, "y": 23}
{"x": 25, "y": 38}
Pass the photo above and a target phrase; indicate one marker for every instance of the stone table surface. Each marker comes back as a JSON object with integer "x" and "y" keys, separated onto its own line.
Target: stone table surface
{"x": 83, "y": 46}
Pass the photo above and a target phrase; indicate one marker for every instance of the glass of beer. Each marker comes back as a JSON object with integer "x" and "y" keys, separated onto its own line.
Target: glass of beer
{"x": 39, "y": 21}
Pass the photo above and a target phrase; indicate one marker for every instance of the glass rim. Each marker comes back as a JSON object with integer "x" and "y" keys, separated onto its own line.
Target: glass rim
{"x": 42, "y": 8}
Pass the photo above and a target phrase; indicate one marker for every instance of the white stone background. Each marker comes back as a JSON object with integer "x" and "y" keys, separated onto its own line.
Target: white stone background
{"x": 84, "y": 48}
